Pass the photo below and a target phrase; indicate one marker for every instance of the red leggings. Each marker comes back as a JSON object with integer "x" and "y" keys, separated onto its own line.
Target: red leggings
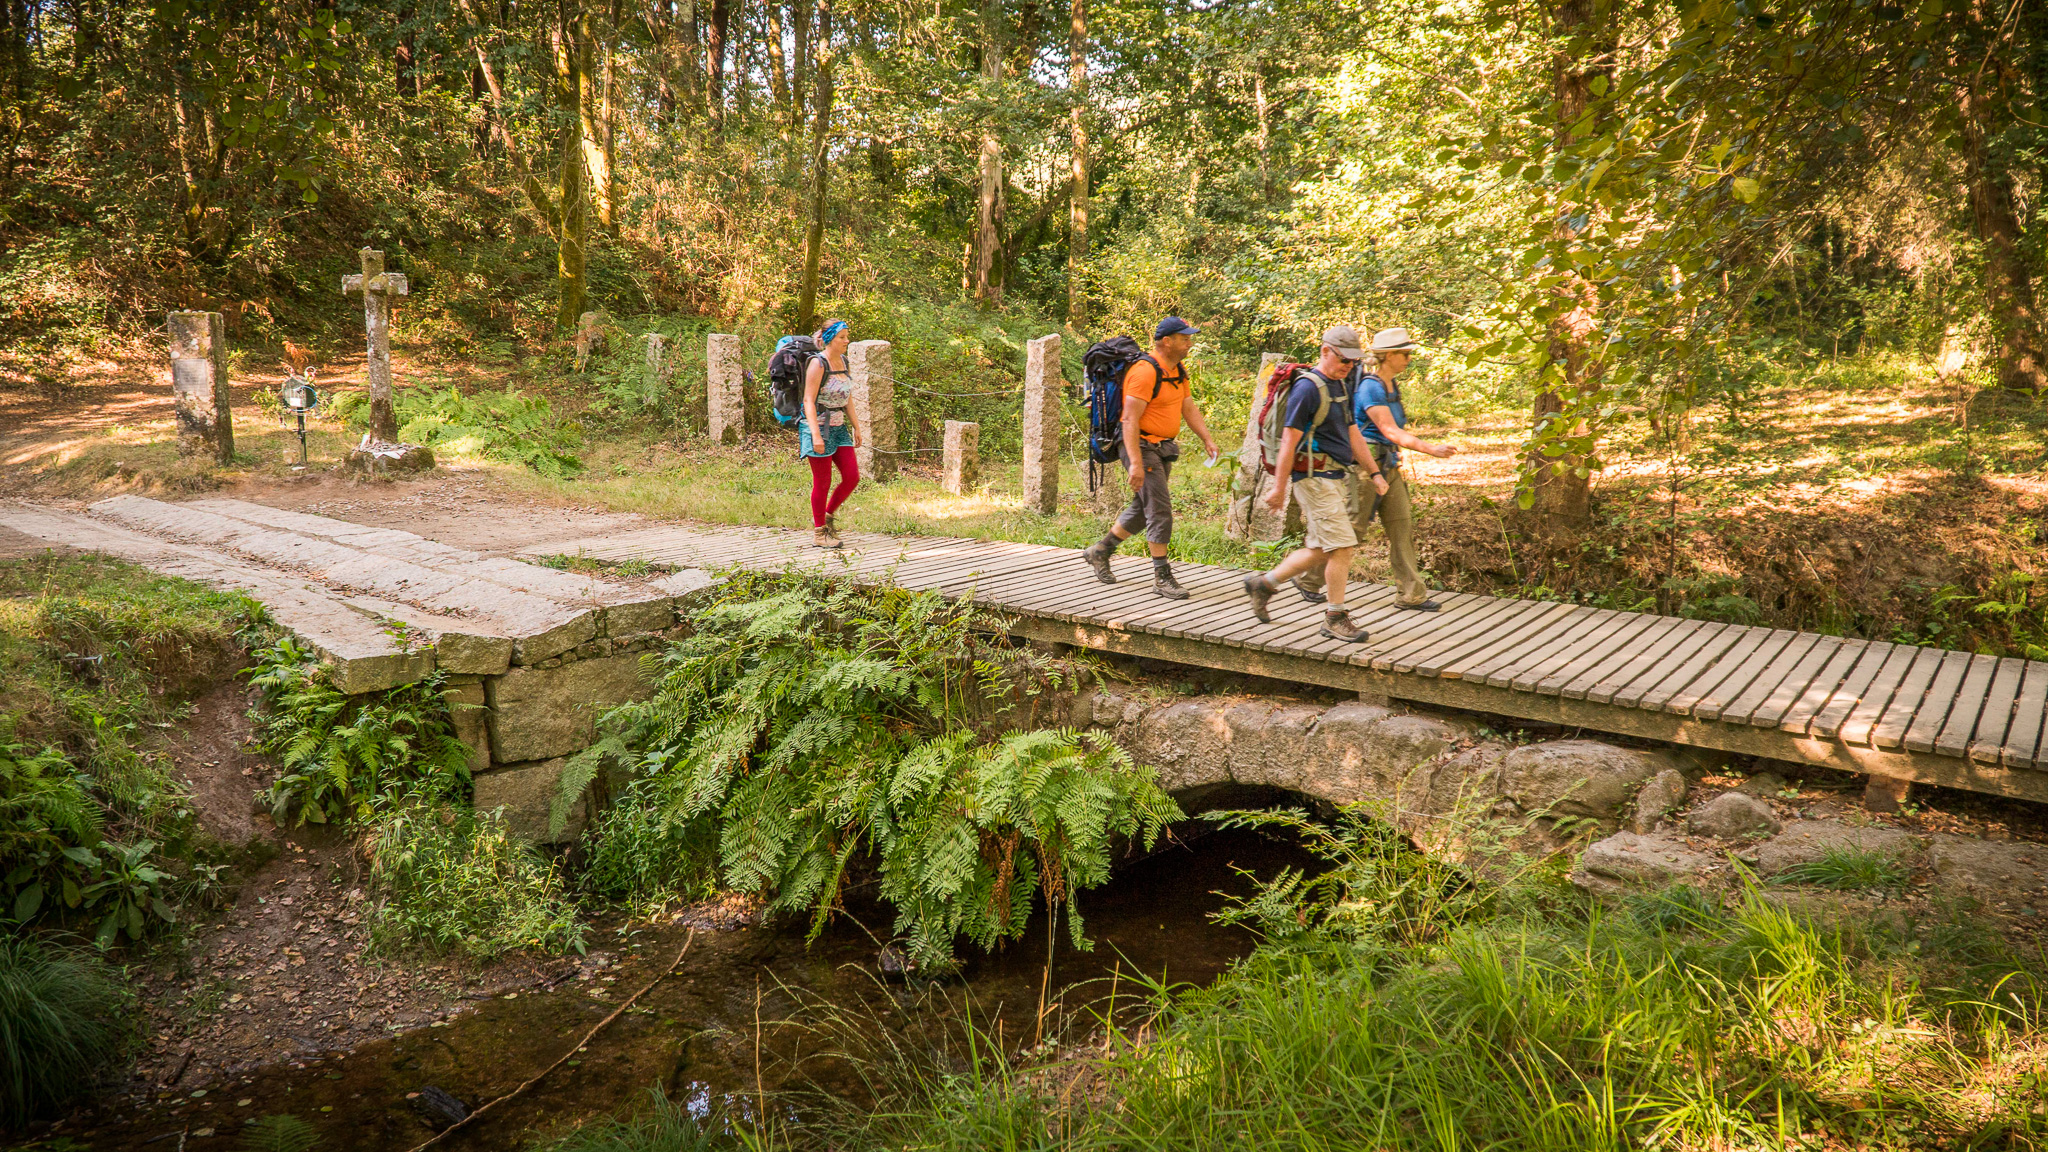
{"x": 825, "y": 499}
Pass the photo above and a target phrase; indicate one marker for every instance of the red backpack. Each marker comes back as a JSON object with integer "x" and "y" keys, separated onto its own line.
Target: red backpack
{"x": 1273, "y": 414}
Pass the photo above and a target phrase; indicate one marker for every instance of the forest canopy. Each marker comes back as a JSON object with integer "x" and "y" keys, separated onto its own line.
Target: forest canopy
{"x": 1608, "y": 206}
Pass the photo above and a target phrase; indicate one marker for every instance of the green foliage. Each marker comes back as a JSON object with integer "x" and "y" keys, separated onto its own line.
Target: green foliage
{"x": 280, "y": 1133}
{"x": 342, "y": 757}
{"x": 804, "y": 724}
{"x": 513, "y": 427}
{"x": 667, "y": 1126}
{"x": 66, "y": 1020}
{"x": 449, "y": 879}
{"x": 1850, "y": 868}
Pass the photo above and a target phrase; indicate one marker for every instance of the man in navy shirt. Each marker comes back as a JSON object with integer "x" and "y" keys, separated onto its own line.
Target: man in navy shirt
{"x": 1320, "y": 445}
{"x": 1376, "y": 408}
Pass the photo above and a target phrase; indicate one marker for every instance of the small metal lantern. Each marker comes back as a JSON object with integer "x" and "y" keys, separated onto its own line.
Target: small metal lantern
{"x": 300, "y": 397}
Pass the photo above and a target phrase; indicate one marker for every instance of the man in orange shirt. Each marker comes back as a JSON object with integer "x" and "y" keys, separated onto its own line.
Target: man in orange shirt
{"x": 1157, "y": 399}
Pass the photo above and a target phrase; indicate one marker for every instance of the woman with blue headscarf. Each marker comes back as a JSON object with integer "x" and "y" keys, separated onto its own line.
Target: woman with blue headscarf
{"x": 829, "y": 432}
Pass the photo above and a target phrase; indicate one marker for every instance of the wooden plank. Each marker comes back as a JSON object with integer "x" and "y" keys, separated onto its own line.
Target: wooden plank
{"x": 1972, "y": 710}
{"x": 1606, "y": 652}
{"x": 1373, "y": 611}
{"x": 1481, "y": 621}
{"x": 1474, "y": 658}
{"x": 1998, "y": 718}
{"x": 1817, "y": 692}
{"x": 1602, "y": 682}
{"x": 1681, "y": 668}
{"x": 1431, "y": 627}
{"x": 1844, "y": 700}
{"x": 1554, "y": 629}
{"x": 1529, "y": 672}
{"x": 2029, "y": 714}
{"x": 1944, "y": 697}
{"x": 1855, "y": 727}
{"x": 1730, "y": 675}
{"x": 1889, "y": 729}
{"x": 1783, "y": 680}
{"x": 1519, "y": 616}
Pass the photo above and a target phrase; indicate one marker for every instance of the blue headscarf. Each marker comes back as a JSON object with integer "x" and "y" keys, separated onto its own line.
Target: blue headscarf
{"x": 832, "y": 331}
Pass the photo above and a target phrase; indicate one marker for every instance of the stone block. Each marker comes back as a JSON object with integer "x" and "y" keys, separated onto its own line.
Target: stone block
{"x": 1631, "y": 860}
{"x": 961, "y": 461}
{"x": 1271, "y": 745}
{"x": 1735, "y": 816}
{"x": 1044, "y": 395}
{"x": 199, "y": 384}
{"x": 871, "y": 365}
{"x": 468, "y": 709}
{"x": 725, "y": 398}
{"x": 539, "y": 713}
{"x": 1663, "y": 795}
{"x": 1805, "y": 841}
{"x": 1187, "y": 743}
{"x": 1579, "y": 777}
{"x": 526, "y": 793}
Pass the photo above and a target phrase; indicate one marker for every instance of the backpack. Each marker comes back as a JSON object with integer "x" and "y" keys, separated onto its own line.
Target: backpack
{"x": 1273, "y": 414}
{"x": 786, "y": 367}
{"x": 1104, "y": 366}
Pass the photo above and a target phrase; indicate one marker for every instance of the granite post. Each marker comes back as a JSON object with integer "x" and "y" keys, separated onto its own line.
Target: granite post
{"x": 199, "y": 384}
{"x": 650, "y": 374}
{"x": 589, "y": 333}
{"x": 377, "y": 287}
{"x": 962, "y": 468}
{"x": 1043, "y": 388}
{"x": 872, "y": 366}
{"x": 725, "y": 401}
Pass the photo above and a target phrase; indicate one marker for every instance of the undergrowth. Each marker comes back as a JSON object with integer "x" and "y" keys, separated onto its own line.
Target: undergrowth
{"x": 65, "y": 1025}
{"x": 514, "y": 427}
{"x": 454, "y": 880}
{"x": 808, "y": 731}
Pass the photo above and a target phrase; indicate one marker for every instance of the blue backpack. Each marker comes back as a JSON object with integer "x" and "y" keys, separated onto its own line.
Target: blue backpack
{"x": 1104, "y": 366}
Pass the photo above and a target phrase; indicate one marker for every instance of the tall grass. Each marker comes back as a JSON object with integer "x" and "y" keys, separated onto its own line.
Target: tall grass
{"x": 64, "y": 1025}
{"x": 450, "y": 879}
{"x": 667, "y": 1126}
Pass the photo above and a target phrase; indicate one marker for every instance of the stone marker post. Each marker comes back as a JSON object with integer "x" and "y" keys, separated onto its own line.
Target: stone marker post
{"x": 589, "y": 334}
{"x": 1249, "y": 518}
{"x": 963, "y": 457}
{"x": 725, "y": 402}
{"x": 378, "y": 287}
{"x": 650, "y": 375}
{"x": 199, "y": 383}
{"x": 872, "y": 366}
{"x": 1044, "y": 390}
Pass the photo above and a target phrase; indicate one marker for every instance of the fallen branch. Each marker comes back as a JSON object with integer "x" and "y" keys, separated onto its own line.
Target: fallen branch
{"x": 564, "y": 1057}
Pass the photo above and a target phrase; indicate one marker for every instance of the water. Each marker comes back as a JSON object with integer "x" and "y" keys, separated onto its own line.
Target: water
{"x": 741, "y": 1018}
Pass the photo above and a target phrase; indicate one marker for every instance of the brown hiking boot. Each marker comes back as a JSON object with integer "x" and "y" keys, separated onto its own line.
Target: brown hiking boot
{"x": 1261, "y": 592}
{"x": 823, "y": 537}
{"x": 1165, "y": 585}
{"x": 1311, "y": 595}
{"x": 1337, "y": 625}
{"x": 1098, "y": 558}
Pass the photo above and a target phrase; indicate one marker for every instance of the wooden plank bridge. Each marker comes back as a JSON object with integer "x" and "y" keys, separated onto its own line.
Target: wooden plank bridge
{"x": 1921, "y": 714}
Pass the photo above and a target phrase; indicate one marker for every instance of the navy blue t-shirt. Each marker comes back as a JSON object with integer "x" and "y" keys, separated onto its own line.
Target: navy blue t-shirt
{"x": 1374, "y": 392}
{"x": 1332, "y": 437}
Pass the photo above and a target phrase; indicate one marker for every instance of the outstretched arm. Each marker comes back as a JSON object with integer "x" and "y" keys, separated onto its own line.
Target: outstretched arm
{"x": 1382, "y": 418}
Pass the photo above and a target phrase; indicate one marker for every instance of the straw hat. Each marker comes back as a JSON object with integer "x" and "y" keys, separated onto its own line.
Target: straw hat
{"x": 1394, "y": 340}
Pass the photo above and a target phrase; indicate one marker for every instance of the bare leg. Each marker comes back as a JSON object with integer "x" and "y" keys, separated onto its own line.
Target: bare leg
{"x": 1336, "y": 571}
{"x": 1298, "y": 561}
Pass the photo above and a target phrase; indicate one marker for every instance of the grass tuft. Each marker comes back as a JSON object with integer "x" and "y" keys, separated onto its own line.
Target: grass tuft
{"x": 1850, "y": 869}
{"x": 64, "y": 1026}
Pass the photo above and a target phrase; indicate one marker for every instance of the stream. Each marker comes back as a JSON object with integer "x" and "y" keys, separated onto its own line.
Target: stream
{"x": 750, "y": 1011}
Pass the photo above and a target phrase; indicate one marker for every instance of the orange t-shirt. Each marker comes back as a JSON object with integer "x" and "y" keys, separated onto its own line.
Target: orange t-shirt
{"x": 1162, "y": 416}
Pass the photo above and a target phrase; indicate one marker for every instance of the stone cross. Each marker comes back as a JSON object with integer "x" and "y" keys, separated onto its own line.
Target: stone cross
{"x": 199, "y": 383}
{"x": 962, "y": 467}
{"x": 378, "y": 287}
{"x": 1043, "y": 402}
{"x": 872, "y": 367}
{"x": 725, "y": 401}
{"x": 650, "y": 376}
{"x": 1249, "y": 518}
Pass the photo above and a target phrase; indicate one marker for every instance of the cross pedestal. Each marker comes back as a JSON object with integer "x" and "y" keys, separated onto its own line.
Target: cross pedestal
{"x": 378, "y": 287}
{"x": 725, "y": 401}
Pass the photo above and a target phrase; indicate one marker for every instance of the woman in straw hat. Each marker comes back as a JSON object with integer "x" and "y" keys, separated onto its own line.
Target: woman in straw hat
{"x": 1376, "y": 405}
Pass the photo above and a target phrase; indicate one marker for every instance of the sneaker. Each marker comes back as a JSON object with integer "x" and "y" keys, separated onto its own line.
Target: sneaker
{"x": 1164, "y": 584}
{"x": 1420, "y": 606}
{"x": 1310, "y": 595}
{"x": 1098, "y": 558}
{"x": 1261, "y": 592}
{"x": 823, "y": 537}
{"x": 1337, "y": 625}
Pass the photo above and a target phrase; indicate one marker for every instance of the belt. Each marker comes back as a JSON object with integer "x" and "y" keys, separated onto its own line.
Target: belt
{"x": 1332, "y": 474}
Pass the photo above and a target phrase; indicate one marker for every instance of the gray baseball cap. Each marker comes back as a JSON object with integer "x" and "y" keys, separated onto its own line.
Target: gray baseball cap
{"x": 1344, "y": 338}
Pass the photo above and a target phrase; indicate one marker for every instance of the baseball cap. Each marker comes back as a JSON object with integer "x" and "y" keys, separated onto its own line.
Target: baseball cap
{"x": 1344, "y": 338}
{"x": 1173, "y": 326}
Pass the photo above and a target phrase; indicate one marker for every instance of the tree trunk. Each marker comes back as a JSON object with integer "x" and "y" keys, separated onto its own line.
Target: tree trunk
{"x": 814, "y": 231}
{"x": 1265, "y": 137}
{"x": 1077, "y": 194}
{"x": 593, "y": 115}
{"x": 779, "y": 91}
{"x": 799, "y": 61}
{"x": 572, "y": 65}
{"x": 405, "y": 56}
{"x": 1563, "y": 498}
{"x": 2008, "y": 287}
{"x": 714, "y": 64}
{"x": 988, "y": 289}
{"x": 693, "y": 70}
{"x": 537, "y": 195}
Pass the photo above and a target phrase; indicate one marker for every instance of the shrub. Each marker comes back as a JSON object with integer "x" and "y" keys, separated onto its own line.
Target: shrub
{"x": 514, "y": 427}
{"x": 804, "y": 723}
{"x": 344, "y": 756}
{"x": 455, "y": 880}
{"x": 64, "y": 1024}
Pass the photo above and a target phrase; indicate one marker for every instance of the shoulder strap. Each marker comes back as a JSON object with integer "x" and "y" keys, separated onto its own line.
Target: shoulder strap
{"x": 1158, "y": 374}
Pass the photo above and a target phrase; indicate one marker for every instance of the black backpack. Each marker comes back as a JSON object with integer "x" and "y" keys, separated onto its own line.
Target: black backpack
{"x": 1104, "y": 366}
{"x": 786, "y": 368}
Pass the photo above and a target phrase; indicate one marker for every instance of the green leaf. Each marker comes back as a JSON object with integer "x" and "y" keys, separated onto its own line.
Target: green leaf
{"x": 28, "y": 900}
{"x": 1745, "y": 189}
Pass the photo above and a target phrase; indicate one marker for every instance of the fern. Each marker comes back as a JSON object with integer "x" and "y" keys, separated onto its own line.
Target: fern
{"x": 805, "y": 725}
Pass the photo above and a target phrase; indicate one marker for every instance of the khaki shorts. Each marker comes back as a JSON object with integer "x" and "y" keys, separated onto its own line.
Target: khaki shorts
{"x": 1328, "y": 512}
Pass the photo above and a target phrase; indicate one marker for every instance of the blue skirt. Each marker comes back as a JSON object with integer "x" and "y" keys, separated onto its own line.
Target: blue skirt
{"x": 837, "y": 436}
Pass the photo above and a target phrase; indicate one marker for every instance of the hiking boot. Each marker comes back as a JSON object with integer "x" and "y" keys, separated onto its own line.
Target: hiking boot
{"x": 1337, "y": 625}
{"x": 823, "y": 537}
{"x": 1419, "y": 606}
{"x": 1310, "y": 595}
{"x": 832, "y": 524}
{"x": 1164, "y": 584}
{"x": 1261, "y": 592}
{"x": 1098, "y": 558}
